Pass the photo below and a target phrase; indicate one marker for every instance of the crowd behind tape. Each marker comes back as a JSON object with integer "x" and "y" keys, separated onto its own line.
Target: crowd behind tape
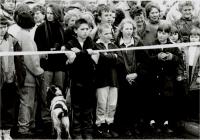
{"x": 179, "y": 45}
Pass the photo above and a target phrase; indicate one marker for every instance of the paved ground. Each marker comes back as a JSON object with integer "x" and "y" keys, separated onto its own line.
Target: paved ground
{"x": 145, "y": 135}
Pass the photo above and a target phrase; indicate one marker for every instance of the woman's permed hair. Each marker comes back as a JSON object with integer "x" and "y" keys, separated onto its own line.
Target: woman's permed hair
{"x": 149, "y": 7}
{"x": 183, "y": 3}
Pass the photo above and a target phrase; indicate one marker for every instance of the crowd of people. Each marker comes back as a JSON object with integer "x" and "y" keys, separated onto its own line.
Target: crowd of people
{"x": 112, "y": 93}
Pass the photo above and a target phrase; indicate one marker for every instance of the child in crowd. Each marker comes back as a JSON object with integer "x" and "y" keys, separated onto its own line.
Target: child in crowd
{"x": 187, "y": 20}
{"x": 105, "y": 15}
{"x": 82, "y": 75}
{"x": 128, "y": 74}
{"x": 194, "y": 75}
{"x": 174, "y": 35}
{"x": 12, "y": 76}
{"x": 39, "y": 15}
{"x": 106, "y": 83}
{"x": 164, "y": 72}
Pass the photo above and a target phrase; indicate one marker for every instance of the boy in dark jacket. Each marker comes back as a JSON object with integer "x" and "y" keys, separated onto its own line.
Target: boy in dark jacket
{"x": 82, "y": 75}
{"x": 107, "y": 83}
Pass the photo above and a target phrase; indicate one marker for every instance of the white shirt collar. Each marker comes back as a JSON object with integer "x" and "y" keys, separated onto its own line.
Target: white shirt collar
{"x": 122, "y": 42}
{"x": 105, "y": 44}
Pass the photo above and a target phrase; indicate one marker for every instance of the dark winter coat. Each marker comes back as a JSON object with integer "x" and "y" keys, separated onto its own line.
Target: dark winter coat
{"x": 133, "y": 62}
{"x": 106, "y": 72}
{"x": 49, "y": 36}
{"x": 82, "y": 71}
{"x": 164, "y": 73}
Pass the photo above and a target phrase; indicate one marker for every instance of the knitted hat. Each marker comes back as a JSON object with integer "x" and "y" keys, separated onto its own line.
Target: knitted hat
{"x": 24, "y": 16}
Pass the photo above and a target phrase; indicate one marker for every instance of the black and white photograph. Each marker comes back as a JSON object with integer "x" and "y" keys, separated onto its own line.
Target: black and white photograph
{"x": 99, "y": 69}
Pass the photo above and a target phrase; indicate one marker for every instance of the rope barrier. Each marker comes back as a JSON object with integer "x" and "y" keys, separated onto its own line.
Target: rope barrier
{"x": 102, "y": 51}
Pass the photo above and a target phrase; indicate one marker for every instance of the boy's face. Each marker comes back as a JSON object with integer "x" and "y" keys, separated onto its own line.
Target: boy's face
{"x": 3, "y": 30}
{"x": 187, "y": 11}
{"x": 127, "y": 30}
{"x": 38, "y": 17}
{"x": 106, "y": 17}
{"x": 173, "y": 37}
{"x": 139, "y": 19}
{"x": 50, "y": 15}
{"x": 83, "y": 31}
{"x": 194, "y": 38}
{"x": 106, "y": 35}
{"x": 162, "y": 36}
{"x": 9, "y": 5}
{"x": 154, "y": 15}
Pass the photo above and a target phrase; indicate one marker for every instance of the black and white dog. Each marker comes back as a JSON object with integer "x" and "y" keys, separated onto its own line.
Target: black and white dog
{"x": 59, "y": 111}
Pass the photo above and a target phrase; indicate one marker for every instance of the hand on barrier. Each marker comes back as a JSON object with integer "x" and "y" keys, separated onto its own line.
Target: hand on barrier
{"x": 76, "y": 50}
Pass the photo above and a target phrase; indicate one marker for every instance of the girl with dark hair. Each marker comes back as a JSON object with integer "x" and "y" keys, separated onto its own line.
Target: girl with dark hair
{"x": 163, "y": 71}
{"x": 49, "y": 36}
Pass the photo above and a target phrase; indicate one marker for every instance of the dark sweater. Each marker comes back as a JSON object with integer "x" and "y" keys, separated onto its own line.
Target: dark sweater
{"x": 49, "y": 36}
{"x": 107, "y": 67}
{"x": 82, "y": 70}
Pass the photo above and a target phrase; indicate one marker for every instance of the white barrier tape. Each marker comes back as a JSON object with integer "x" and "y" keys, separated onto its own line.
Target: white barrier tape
{"x": 152, "y": 47}
{"x": 110, "y": 50}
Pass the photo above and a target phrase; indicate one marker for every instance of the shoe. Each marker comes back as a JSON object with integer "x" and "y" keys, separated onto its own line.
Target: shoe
{"x": 128, "y": 133}
{"x": 102, "y": 131}
{"x": 113, "y": 134}
{"x": 166, "y": 129}
{"x": 136, "y": 131}
{"x": 25, "y": 135}
{"x": 78, "y": 137}
{"x": 88, "y": 137}
{"x": 154, "y": 128}
{"x": 112, "y": 131}
{"x": 6, "y": 135}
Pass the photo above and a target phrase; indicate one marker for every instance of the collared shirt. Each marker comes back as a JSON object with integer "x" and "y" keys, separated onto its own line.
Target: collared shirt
{"x": 127, "y": 45}
{"x": 105, "y": 44}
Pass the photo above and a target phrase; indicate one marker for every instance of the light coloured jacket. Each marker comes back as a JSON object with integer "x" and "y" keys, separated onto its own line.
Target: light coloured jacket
{"x": 32, "y": 62}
